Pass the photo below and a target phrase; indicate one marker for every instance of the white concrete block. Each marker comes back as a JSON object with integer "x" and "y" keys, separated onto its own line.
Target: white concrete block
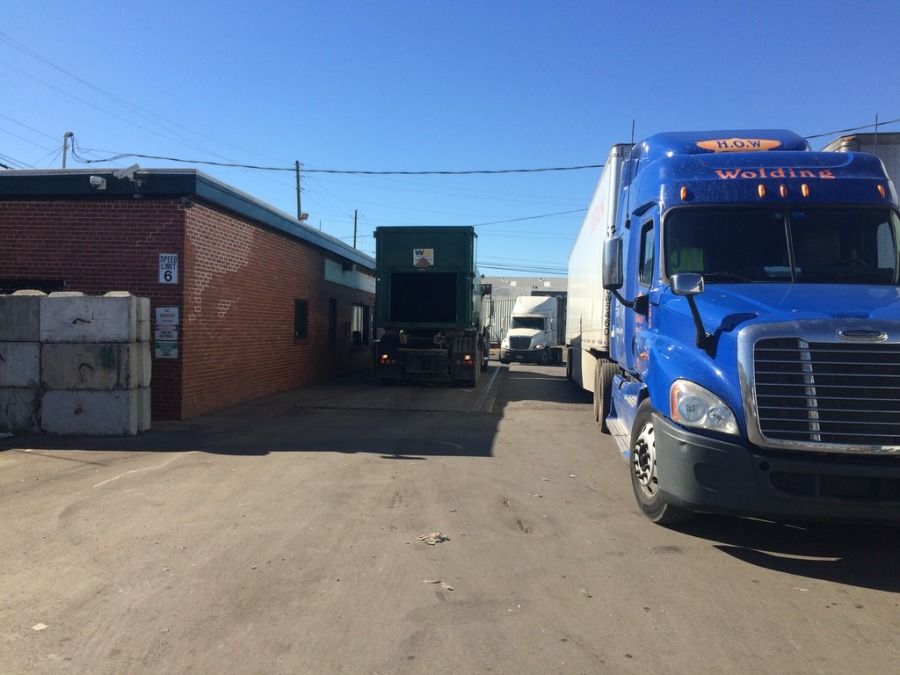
{"x": 144, "y": 411}
{"x": 20, "y": 316}
{"x": 143, "y": 320}
{"x": 20, "y": 364}
{"x": 114, "y": 365}
{"x": 78, "y": 318}
{"x": 19, "y": 409}
{"x": 146, "y": 361}
{"x": 92, "y": 413}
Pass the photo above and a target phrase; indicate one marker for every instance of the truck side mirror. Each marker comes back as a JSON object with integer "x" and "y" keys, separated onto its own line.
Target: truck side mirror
{"x": 686, "y": 283}
{"x": 689, "y": 284}
{"x": 612, "y": 264}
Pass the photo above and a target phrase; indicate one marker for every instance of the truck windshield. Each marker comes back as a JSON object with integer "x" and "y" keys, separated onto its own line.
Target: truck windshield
{"x": 533, "y": 322}
{"x": 811, "y": 245}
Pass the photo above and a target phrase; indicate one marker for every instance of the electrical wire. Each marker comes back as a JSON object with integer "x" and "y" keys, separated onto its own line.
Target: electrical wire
{"x": 348, "y": 172}
{"x": 859, "y": 128}
{"x": 16, "y": 161}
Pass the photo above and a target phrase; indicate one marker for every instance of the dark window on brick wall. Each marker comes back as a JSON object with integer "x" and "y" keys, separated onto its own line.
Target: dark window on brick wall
{"x": 301, "y": 318}
{"x": 46, "y": 285}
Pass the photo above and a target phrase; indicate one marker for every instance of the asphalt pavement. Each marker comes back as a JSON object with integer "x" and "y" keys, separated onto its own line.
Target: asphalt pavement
{"x": 353, "y": 528}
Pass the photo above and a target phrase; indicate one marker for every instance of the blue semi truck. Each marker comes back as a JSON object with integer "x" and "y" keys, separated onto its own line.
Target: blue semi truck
{"x": 734, "y": 306}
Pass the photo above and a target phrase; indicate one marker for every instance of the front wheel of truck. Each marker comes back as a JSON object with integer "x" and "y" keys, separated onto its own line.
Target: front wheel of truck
{"x": 644, "y": 478}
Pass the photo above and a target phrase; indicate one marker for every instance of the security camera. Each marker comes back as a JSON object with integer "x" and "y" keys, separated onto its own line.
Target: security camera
{"x": 98, "y": 182}
{"x": 128, "y": 172}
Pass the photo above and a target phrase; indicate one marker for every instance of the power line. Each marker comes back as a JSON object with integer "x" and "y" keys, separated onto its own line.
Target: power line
{"x": 392, "y": 172}
{"x": 22, "y": 124}
{"x": 15, "y": 161}
{"x": 859, "y": 128}
{"x": 349, "y": 172}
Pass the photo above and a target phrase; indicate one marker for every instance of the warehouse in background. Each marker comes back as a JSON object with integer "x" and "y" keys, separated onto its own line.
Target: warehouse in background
{"x": 245, "y": 300}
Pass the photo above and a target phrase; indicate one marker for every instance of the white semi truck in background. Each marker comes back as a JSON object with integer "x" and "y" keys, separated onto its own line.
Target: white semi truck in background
{"x": 533, "y": 335}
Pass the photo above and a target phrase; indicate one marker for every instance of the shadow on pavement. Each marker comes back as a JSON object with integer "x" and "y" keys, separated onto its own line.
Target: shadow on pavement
{"x": 539, "y": 386}
{"x": 863, "y": 555}
{"x": 353, "y": 416}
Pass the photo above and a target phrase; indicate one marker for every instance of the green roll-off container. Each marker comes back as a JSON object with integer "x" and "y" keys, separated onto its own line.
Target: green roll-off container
{"x": 428, "y": 305}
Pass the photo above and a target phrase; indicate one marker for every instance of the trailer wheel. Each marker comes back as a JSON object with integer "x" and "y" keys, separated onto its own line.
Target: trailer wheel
{"x": 644, "y": 479}
{"x": 603, "y": 376}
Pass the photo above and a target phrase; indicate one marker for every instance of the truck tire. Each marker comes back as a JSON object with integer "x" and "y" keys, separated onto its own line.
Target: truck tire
{"x": 644, "y": 479}
{"x": 604, "y": 372}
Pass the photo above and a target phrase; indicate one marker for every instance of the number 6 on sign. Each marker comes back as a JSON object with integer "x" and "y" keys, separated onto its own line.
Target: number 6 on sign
{"x": 168, "y": 268}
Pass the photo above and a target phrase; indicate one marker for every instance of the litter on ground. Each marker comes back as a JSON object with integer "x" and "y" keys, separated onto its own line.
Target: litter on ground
{"x": 433, "y": 538}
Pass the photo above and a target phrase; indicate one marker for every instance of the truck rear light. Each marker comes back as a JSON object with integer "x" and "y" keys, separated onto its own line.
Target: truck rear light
{"x": 384, "y": 359}
{"x": 468, "y": 360}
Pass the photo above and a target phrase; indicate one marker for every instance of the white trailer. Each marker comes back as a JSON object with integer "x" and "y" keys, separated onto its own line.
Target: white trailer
{"x": 587, "y": 314}
{"x": 885, "y": 146}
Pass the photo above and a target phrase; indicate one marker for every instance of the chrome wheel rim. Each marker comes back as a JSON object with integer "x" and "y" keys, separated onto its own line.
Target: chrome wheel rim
{"x": 643, "y": 461}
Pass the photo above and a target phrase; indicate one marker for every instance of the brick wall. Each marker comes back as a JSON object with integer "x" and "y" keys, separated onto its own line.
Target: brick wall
{"x": 95, "y": 246}
{"x": 238, "y": 318}
{"x": 236, "y": 294}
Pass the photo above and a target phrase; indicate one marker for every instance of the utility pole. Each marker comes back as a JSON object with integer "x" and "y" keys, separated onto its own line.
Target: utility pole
{"x": 300, "y": 215}
{"x": 297, "y": 171}
{"x": 66, "y": 137}
{"x": 355, "y": 215}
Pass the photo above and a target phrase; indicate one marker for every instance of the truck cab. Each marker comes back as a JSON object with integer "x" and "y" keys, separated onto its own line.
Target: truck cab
{"x": 531, "y": 337}
{"x": 754, "y": 332}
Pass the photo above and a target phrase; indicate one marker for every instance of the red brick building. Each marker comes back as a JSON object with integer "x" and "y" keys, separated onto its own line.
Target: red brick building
{"x": 264, "y": 303}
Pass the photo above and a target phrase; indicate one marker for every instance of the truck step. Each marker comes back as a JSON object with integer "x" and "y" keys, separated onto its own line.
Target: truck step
{"x": 621, "y": 434}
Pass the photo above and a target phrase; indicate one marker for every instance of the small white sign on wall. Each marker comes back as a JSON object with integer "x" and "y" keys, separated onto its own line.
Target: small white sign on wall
{"x": 168, "y": 268}
{"x": 166, "y": 349}
{"x": 167, "y": 316}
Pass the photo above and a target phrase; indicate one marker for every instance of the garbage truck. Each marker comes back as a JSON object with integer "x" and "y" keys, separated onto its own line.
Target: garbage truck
{"x": 734, "y": 307}
{"x": 430, "y": 306}
{"x": 533, "y": 329}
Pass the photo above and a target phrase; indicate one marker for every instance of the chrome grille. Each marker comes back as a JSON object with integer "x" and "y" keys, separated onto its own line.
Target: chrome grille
{"x": 519, "y": 342}
{"x": 830, "y": 393}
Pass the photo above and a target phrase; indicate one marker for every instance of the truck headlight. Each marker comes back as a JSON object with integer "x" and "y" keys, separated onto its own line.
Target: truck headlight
{"x": 539, "y": 346}
{"x": 504, "y": 344}
{"x": 694, "y": 406}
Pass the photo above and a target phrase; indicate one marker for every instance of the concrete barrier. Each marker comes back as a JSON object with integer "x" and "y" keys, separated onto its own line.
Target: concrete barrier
{"x": 20, "y": 410}
{"x": 113, "y": 365}
{"x": 75, "y": 364}
{"x": 20, "y": 316}
{"x": 20, "y": 364}
{"x": 95, "y": 413}
{"x": 73, "y": 317}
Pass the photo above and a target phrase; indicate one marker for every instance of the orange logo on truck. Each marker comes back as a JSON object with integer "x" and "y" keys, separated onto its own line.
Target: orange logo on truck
{"x": 739, "y": 144}
{"x": 779, "y": 172}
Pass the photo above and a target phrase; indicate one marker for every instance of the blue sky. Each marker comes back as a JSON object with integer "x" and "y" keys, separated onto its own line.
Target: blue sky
{"x": 418, "y": 86}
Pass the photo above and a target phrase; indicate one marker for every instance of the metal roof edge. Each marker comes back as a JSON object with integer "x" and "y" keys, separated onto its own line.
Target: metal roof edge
{"x": 233, "y": 199}
{"x": 65, "y": 183}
